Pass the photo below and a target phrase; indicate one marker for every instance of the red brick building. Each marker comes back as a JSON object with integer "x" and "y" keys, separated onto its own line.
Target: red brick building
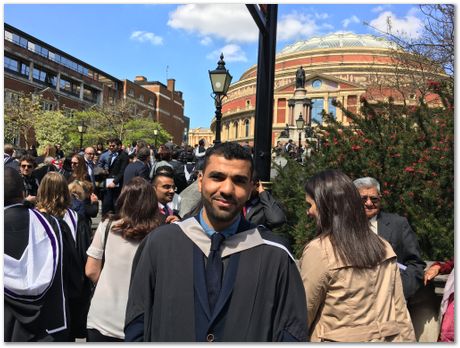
{"x": 32, "y": 66}
{"x": 338, "y": 66}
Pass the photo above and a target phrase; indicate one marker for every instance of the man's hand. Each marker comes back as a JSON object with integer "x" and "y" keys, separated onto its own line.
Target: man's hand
{"x": 260, "y": 187}
{"x": 31, "y": 199}
{"x": 432, "y": 272}
{"x": 93, "y": 198}
{"x": 171, "y": 218}
{"x": 111, "y": 185}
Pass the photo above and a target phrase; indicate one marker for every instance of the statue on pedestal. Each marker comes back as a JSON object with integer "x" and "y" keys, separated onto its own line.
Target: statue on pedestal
{"x": 300, "y": 78}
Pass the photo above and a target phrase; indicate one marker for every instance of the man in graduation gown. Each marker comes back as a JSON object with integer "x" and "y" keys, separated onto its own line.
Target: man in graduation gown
{"x": 185, "y": 287}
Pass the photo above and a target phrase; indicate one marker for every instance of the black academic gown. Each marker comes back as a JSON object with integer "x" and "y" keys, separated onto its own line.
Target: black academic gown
{"x": 23, "y": 320}
{"x": 262, "y": 297}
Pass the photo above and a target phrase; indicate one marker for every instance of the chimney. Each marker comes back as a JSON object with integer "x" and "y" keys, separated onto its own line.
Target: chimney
{"x": 140, "y": 78}
{"x": 171, "y": 83}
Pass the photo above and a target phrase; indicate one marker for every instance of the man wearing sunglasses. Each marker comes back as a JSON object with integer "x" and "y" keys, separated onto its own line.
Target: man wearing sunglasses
{"x": 397, "y": 231}
{"x": 26, "y": 167}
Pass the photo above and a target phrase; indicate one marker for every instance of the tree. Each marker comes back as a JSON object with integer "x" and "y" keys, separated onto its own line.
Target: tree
{"x": 52, "y": 127}
{"x": 20, "y": 117}
{"x": 143, "y": 128}
{"x": 408, "y": 149}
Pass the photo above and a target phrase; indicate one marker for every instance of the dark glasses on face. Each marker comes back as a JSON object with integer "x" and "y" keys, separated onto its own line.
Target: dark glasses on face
{"x": 374, "y": 199}
{"x": 74, "y": 163}
{"x": 26, "y": 166}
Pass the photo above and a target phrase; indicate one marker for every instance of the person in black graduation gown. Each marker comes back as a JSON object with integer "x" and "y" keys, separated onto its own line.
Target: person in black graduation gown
{"x": 28, "y": 292}
{"x": 186, "y": 288}
{"x": 53, "y": 201}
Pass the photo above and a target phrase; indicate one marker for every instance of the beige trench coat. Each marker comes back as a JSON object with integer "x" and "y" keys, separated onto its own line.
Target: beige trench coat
{"x": 347, "y": 304}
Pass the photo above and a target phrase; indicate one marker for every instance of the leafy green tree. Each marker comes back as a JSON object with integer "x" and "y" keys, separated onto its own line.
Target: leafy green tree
{"x": 20, "y": 117}
{"x": 52, "y": 127}
{"x": 409, "y": 149}
{"x": 143, "y": 128}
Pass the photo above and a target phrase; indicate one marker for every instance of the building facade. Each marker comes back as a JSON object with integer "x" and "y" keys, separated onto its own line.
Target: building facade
{"x": 340, "y": 67}
{"x": 196, "y": 134}
{"x": 33, "y": 67}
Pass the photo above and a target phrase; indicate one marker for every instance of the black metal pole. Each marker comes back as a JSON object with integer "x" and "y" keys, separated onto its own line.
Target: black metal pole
{"x": 218, "y": 118}
{"x": 300, "y": 139}
{"x": 264, "y": 94}
{"x": 81, "y": 140}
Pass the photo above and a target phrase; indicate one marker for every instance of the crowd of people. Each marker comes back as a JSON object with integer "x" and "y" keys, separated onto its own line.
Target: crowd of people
{"x": 185, "y": 251}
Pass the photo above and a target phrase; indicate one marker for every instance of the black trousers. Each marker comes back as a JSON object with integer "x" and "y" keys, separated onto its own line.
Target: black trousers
{"x": 109, "y": 200}
{"x": 96, "y": 336}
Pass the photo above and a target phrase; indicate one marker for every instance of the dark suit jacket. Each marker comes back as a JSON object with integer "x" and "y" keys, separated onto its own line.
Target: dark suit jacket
{"x": 397, "y": 231}
{"x": 137, "y": 168}
{"x": 117, "y": 168}
{"x": 266, "y": 212}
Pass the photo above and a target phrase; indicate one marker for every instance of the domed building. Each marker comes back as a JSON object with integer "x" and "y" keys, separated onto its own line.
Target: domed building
{"x": 341, "y": 66}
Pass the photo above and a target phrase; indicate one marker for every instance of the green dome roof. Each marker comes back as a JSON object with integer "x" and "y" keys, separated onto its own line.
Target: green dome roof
{"x": 337, "y": 40}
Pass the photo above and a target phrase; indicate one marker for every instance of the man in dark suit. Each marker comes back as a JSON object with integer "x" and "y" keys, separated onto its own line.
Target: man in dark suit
{"x": 118, "y": 160}
{"x": 262, "y": 208}
{"x": 139, "y": 167}
{"x": 397, "y": 231}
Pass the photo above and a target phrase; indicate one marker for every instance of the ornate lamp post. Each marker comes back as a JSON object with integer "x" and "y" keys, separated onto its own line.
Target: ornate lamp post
{"x": 155, "y": 135}
{"x": 82, "y": 128}
{"x": 220, "y": 81}
{"x": 300, "y": 123}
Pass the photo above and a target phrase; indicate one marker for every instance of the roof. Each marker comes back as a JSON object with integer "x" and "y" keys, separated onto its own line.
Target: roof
{"x": 337, "y": 40}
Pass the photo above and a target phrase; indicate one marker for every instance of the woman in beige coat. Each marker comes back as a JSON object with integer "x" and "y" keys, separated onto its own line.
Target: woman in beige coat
{"x": 350, "y": 275}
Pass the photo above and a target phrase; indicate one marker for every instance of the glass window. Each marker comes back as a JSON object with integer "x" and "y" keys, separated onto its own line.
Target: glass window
{"x": 316, "y": 84}
{"x": 90, "y": 94}
{"x": 8, "y": 36}
{"x": 39, "y": 75}
{"x": 64, "y": 85}
{"x": 246, "y": 128}
{"x": 131, "y": 92}
{"x": 331, "y": 109}
{"x": 11, "y": 64}
{"x": 151, "y": 101}
{"x": 141, "y": 98}
{"x": 25, "y": 69}
{"x": 317, "y": 105}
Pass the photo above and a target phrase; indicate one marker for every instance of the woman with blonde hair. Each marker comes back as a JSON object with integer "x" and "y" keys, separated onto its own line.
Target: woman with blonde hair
{"x": 54, "y": 201}
{"x": 351, "y": 277}
{"x": 110, "y": 258}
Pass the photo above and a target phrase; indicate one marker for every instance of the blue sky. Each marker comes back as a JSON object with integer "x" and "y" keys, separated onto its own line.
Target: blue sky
{"x": 183, "y": 42}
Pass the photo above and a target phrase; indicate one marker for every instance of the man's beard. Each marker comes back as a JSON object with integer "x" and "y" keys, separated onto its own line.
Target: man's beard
{"x": 219, "y": 215}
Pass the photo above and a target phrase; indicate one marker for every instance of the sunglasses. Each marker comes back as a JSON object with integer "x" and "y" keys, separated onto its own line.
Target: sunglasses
{"x": 374, "y": 199}
{"x": 72, "y": 163}
{"x": 26, "y": 166}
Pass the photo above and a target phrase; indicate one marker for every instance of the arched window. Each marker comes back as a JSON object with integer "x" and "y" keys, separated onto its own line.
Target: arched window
{"x": 236, "y": 129}
{"x": 246, "y": 128}
{"x": 248, "y": 103}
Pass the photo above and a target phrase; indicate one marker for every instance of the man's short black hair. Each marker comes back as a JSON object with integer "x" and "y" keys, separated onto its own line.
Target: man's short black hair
{"x": 164, "y": 171}
{"x": 143, "y": 154}
{"x": 229, "y": 150}
{"x": 114, "y": 140}
{"x": 14, "y": 186}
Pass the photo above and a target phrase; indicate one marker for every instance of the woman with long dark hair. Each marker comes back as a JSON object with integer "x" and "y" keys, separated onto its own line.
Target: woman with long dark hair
{"x": 111, "y": 255}
{"x": 79, "y": 171}
{"x": 54, "y": 201}
{"x": 351, "y": 278}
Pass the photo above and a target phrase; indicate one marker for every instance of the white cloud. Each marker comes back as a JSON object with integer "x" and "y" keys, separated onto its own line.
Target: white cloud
{"x": 144, "y": 36}
{"x": 379, "y": 8}
{"x": 231, "y": 22}
{"x": 232, "y": 53}
{"x": 410, "y": 26}
{"x": 206, "y": 41}
{"x": 321, "y": 15}
{"x": 353, "y": 19}
{"x": 295, "y": 25}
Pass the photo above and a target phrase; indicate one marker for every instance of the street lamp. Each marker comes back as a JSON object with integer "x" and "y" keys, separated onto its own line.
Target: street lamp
{"x": 220, "y": 81}
{"x": 155, "y": 135}
{"x": 82, "y": 128}
{"x": 300, "y": 123}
